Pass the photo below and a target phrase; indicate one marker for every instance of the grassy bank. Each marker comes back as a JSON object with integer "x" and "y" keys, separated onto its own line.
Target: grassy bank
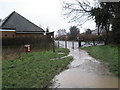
{"x": 108, "y": 54}
{"x": 33, "y": 70}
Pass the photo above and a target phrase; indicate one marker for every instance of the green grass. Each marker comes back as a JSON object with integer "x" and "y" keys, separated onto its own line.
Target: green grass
{"x": 33, "y": 70}
{"x": 108, "y": 54}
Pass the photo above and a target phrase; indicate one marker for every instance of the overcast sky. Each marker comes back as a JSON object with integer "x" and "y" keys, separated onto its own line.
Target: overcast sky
{"x": 41, "y": 12}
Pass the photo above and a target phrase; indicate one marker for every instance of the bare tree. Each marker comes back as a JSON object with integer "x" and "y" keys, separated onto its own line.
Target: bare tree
{"x": 61, "y": 32}
{"x": 78, "y": 11}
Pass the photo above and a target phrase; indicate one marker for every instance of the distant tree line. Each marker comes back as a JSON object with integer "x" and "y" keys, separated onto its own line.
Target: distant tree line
{"x": 75, "y": 35}
{"x": 71, "y": 35}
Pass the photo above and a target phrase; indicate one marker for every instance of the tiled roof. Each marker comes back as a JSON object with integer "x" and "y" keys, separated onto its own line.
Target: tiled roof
{"x": 19, "y": 23}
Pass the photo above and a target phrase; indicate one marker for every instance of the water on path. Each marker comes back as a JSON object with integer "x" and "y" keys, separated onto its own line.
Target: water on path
{"x": 84, "y": 72}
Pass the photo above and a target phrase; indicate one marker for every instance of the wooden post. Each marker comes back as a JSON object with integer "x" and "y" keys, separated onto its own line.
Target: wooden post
{"x": 72, "y": 44}
{"x": 58, "y": 44}
{"x": 79, "y": 43}
{"x": 93, "y": 42}
{"x": 65, "y": 43}
{"x": 53, "y": 44}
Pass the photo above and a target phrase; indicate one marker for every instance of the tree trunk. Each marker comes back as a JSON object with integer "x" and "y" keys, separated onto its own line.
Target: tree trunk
{"x": 107, "y": 36}
{"x": 98, "y": 30}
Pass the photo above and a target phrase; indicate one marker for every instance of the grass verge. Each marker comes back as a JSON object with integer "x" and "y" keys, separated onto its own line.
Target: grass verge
{"x": 33, "y": 70}
{"x": 108, "y": 54}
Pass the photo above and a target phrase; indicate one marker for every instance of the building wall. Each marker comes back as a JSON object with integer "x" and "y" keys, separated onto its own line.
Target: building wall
{"x": 29, "y": 35}
{"x": 13, "y": 34}
{"x": 8, "y": 34}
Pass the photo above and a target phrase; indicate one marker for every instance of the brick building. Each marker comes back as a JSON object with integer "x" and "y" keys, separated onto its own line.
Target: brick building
{"x": 16, "y": 25}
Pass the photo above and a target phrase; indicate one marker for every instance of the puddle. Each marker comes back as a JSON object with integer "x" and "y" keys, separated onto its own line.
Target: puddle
{"x": 73, "y": 78}
{"x": 59, "y": 58}
{"x": 60, "y": 53}
{"x": 84, "y": 72}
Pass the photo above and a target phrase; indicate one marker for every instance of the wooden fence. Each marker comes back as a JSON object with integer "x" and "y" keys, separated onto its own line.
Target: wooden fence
{"x": 16, "y": 45}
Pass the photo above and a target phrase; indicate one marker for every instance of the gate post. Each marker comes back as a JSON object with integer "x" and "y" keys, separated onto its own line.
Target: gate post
{"x": 65, "y": 44}
{"x": 93, "y": 42}
{"x": 58, "y": 43}
{"x": 72, "y": 44}
{"x": 79, "y": 43}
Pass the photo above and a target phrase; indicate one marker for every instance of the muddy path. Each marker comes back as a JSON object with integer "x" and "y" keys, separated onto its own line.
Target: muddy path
{"x": 84, "y": 72}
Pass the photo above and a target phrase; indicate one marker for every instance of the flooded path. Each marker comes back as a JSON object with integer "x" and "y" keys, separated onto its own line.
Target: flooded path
{"x": 84, "y": 72}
